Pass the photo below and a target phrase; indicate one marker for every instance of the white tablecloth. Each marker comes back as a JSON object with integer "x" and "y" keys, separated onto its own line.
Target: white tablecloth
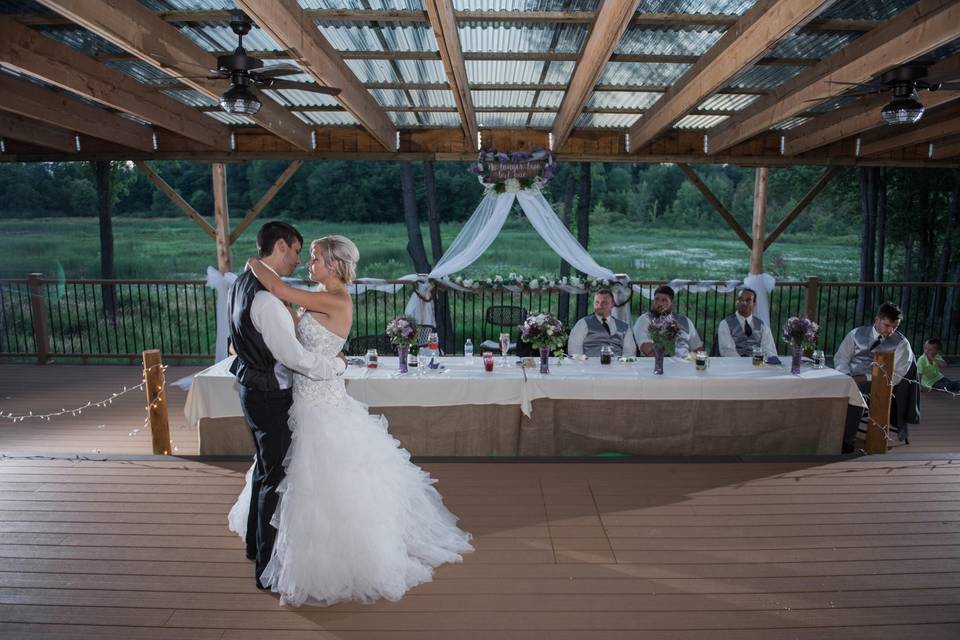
{"x": 214, "y": 390}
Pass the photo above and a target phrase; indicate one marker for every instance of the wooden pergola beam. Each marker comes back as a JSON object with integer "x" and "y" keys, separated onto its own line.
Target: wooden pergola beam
{"x": 864, "y": 114}
{"x": 759, "y": 227}
{"x": 767, "y": 22}
{"x": 801, "y": 205}
{"x": 134, "y": 28}
{"x": 175, "y": 198}
{"x": 286, "y": 23}
{"x": 16, "y": 127}
{"x": 264, "y": 200}
{"x": 31, "y": 100}
{"x": 34, "y": 54}
{"x": 716, "y": 204}
{"x": 946, "y": 149}
{"x": 612, "y": 20}
{"x": 444, "y": 25}
{"x": 917, "y": 30}
{"x": 221, "y": 213}
{"x": 933, "y": 126}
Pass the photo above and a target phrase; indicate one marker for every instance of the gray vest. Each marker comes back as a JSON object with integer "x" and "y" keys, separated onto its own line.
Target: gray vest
{"x": 254, "y": 364}
{"x": 743, "y": 342}
{"x": 861, "y": 363}
{"x": 682, "y": 341}
{"x": 597, "y": 336}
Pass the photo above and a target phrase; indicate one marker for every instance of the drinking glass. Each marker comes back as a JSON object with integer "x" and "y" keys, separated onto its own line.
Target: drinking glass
{"x": 819, "y": 359}
{"x": 758, "y": 356}
{"x": 504, "y": 347}
{"x": 606, "y": 355}
{"x": 372, "y": 358}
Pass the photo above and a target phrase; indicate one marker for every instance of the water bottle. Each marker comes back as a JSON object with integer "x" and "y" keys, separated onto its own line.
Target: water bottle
{"x": 468, "y": 351}
{"x": 433, "y": 346}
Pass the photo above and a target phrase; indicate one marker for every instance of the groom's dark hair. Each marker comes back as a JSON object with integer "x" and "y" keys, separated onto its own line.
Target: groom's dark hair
{"x": 273, "y": 231}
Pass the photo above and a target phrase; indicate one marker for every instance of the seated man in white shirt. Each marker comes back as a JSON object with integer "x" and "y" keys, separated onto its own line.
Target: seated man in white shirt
{"x": 688, "y": 340}
{"x": 601, "y": 329}
{"x": 739, "y": 333}
{"x": 854, "y": 357}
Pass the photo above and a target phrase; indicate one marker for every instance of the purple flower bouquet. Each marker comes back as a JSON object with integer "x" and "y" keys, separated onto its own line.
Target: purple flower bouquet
{"x": 663, "y": 331}
{"x": 402, "y": 331}
{"x": 801, "y": 332}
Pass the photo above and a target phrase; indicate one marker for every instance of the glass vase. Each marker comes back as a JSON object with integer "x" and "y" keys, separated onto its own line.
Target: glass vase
{"x": 402, "y": 353}
{"x": 544, "y": 359}
{"x": 658, "y": 355}
{"x": 795, "y": 360}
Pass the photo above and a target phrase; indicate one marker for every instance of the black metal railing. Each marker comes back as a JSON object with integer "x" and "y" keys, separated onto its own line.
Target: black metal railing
{"x": 118, "y": 319}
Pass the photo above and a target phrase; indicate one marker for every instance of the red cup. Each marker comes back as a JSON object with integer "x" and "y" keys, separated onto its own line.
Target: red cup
{"x": 488, "y": 361}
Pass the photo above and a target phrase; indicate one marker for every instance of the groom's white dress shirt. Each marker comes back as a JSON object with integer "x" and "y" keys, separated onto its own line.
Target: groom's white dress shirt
{"x": 273, "y": 321}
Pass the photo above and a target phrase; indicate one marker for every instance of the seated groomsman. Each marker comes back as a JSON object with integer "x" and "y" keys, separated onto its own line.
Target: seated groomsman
{"x": 854, "y": 357}
{"x": 601, "y": 329}
{"x": 688, "y": 340}
{"x": 739, "y": 333}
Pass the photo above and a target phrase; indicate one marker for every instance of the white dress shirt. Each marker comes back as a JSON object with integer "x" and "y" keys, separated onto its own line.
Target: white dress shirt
{"x": 275, "y": 324}
{"x": 641, "y": 335}
{"x": 902, "y": 356}
{"x": 728, "y": 348}
{"x": 579, "y": 333}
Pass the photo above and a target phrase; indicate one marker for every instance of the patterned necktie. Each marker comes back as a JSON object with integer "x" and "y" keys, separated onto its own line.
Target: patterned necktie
{"x": 876, "y": 343}
{"x": 747, "y": 329}
{"x": 606, "y": 326}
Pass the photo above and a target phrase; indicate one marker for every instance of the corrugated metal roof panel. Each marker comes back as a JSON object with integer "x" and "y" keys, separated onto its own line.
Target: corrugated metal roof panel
{"x": 727, "y": 102}
{"x": 421, "y": 70}
{"x": 350, "y": 37}
{"x": 502, "y": 119}
{"x": 143, "y": 72}
{"x": 640, "y": 40}
{"x": 542, "y": 120}
{"x": 699, "y": 122}
{"x": 606, "y": 120}
{"x": 813, "y": 44}
{"x": 373, "y": 70}
{"x": 81, "y": 40}
{"x": 833, "y": 103}
{"x": 217, "y": 36}
{"x": 867, "y": 9}
{"x": 133, "y": 118}
{"x": 432, "y": 98}
{"x": 327, "y": 118}
{"x": 8, "y": 7}
{"x": 526, "y": 5}
{"x": 503, "y": 71}
{"x": 409, "y": 37}
{"x": 403, "y": 118}
{"x": 440, "y": 119}
{"x": 620, "y": 73}
{"x": 191, "y": 97}
{"x": 559, "y": 72}
{"x": 702, "y": 7}
{"x": 188, "y": 5}
{"x": 376, "y": 5}
{"x": 791, "y": 123}
{"x": 390, "y": 97}
{"x": 765, "y": 76}
{"x": 622, "y": 99}
{"x": 228, "y": 118}
{"x": 550, "y": 99}
{"x": 298, "y": 98}
{"x": 520, "y": 37}
{"x": 503, "y": 99}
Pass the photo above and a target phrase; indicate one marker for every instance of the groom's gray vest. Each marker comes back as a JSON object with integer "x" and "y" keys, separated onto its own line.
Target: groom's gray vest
{"x": 597, "y": 336}
{"x": 254, "y": 364}
{"x": 861, "y": 362}
{"x": 743, "y": 342}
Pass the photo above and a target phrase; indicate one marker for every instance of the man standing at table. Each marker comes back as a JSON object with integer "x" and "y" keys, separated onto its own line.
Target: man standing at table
{"x": 601, "y": 329}
{"x": 688, "y": 340}
{"x": 854, "y": 357}
{"x": 739, "y": 333}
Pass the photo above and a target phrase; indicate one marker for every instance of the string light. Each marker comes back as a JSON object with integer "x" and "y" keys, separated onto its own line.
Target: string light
{"x": 30, "y": 415}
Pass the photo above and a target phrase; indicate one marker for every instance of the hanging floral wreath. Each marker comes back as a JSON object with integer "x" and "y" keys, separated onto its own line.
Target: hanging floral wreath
{"x": 543, "y": 282}
{"x": 510, "y": 172}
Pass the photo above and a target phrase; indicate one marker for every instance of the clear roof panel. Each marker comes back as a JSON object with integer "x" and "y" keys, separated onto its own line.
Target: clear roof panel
{"x": 542, "y": 120}
{"x": 373, "y": 70}
{"x": 791, "y": 123}
{"x": 440, "y": 119}
{"x": 503, "y": 99}
{"x": 727, "y": 102}
{"x": 390, "y": 97}
{"x": 813, "y": 44}
{"x": 642, "y": 73}
{"x": 403, "y": 118}
{"x": 520, "y": 37}
{"x": 143, "y": 72}
{"x": 350, "y": 37}
{"x": 622, "y": 99}
{"x": 559, "y": 72}
{"x": 81, "y": 40}
{"x": 550, "y": 99}
{"x": 228, "y": 118}
{"x": 432, "y": 98}
{"x": 508, "y": 119}
{"x": 217, "y": 36}
{"x": 866, "y": 9}
{"x": 638, "y": 40}
{"x": 504, "y": 71}
{"x": 191, "y": 97}
{"x": 421, "y": 71}
{"x": 526, "y": 5}
{"x": 23, "y": 6}
{"x": 606, "y": 120}
{"x": 765, "y": 76}
{"x": 297, "y": 98}
{"x": 376, "y": 5}
{"x": 187, "y": 5}
{"x": 327, "y": 118}
{"x": 699, "y": 122}
{"x": 703, "y": 7}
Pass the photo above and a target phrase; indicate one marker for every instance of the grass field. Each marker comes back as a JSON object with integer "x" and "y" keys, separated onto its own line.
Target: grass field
{"x": 177, "y": 249}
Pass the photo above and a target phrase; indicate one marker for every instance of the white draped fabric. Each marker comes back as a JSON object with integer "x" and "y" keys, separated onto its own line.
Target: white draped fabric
{"x": 763, "y": 284}
{"x": 220, "y": 283}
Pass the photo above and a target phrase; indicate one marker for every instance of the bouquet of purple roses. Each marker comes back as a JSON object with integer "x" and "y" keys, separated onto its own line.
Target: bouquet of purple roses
{"x": 543, "y": 330}
{"x": 801, "y": 332}
{"x": 402, "y": 331}
{"x": 663, "y": 331}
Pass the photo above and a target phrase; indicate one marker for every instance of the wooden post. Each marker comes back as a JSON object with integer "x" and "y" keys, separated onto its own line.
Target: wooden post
{"x": 157, "y": 402}
{"x": 222, "y": 213}
{"x": 881, "y": 393}
{"x": 759, "y": 220}
{"x": 39, "y": 312}
{"x": 813, "y": 289}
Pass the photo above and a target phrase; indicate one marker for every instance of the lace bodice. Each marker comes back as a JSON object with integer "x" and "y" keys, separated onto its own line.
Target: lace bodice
{"x": 317, "y": 338}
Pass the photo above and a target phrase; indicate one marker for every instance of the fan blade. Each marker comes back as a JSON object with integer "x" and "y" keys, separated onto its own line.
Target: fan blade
{"x": 273, "y": 83}
{"x": 949, "y": 86}
{"x": 275, "y": 71}
{"x": 845, "y": 95}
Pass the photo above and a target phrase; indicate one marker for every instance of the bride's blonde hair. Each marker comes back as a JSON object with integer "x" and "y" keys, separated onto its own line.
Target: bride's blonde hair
{"x": 340, "y": 255}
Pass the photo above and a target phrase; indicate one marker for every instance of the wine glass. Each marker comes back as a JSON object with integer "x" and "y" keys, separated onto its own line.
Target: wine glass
{"x": 504, "y": 347}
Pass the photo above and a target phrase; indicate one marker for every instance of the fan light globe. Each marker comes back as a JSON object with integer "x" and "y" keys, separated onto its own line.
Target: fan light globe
{"x": 906, "y": 111}
{"x": 240, "y": 100}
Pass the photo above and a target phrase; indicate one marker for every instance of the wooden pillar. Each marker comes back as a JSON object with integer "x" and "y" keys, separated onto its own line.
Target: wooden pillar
{"x": 583, "y": 224}
{"x": 222, "y": 214}
{"x": 813, "y": 292}
{"x": 881, "y": 393}
{"x": 759, "y": 220}
{"x": 156, "y": 402}
{"x": 38, "y": 310}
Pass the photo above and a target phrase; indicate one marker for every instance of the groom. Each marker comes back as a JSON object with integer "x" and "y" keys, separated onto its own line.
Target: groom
{"x": 263, "y": 335}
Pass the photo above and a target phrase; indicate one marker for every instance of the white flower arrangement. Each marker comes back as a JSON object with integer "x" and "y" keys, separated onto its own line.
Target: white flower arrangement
{"x": 542, "y": 282}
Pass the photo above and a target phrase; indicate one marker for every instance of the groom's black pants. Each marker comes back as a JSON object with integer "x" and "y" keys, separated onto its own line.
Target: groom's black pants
{"x": 266, "y": 413}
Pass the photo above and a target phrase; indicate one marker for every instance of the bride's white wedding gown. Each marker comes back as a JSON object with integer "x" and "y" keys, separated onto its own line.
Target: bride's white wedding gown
{"x": 357, "y": 520}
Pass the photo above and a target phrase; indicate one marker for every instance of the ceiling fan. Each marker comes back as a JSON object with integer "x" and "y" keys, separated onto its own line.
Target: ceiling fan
{"x": 246, "y": 72}
{"x": 903, "y": 82}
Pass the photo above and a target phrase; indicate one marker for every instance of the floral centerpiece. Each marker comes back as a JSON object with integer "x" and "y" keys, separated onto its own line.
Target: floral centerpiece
{"x": 546, "y": 333}
{"x": 402, "y": 332}
{"x": 800, "y": 334}
{"x": 663, "y": 332}
{"x": 502, "y": 172}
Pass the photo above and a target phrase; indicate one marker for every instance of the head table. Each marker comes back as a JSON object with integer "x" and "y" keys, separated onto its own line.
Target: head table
{"x": 579, "y": 408}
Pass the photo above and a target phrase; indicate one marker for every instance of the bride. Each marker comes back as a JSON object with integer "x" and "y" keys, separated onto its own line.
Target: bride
{"x": 356, "y": 520}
